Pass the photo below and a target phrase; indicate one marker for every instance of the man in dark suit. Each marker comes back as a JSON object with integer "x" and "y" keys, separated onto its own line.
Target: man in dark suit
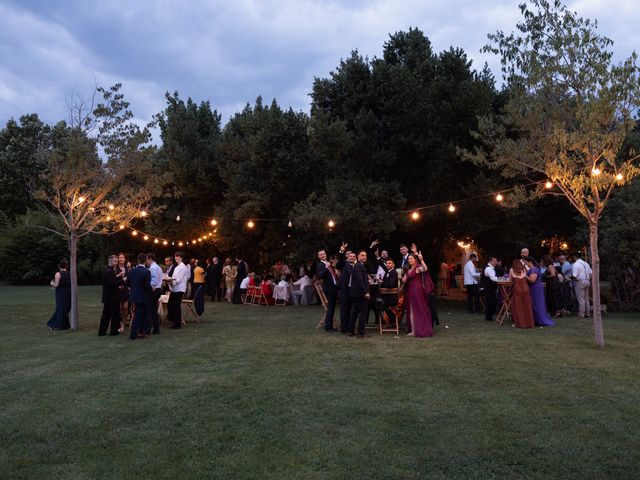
{"x": 404, "y": 251}
{"x": 359, "y": 293}
{"x": 216, "y": 279}
{"x": 110, "y": 298}
{"x": 242, "y": 273}
{"x": 326, "y": 273}
{"x": 346, "y": 260}
{"x": 139, "y": 281}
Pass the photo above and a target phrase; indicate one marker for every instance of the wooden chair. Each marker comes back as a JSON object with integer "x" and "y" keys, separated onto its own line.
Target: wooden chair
{"x": 191, "y": 305}
{"x": 386, "y": 293}
{"x": 259, "y": 297}
{"x": 246, "y": 297}
{"x": 323, "y": 300}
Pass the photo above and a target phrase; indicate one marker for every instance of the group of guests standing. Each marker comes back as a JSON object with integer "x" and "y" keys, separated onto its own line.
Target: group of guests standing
{"x": 539, "y": 291}
{"x": 345, "y": 277}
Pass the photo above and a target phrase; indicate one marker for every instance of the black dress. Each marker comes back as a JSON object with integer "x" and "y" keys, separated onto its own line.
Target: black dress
{"x": 60, "y": 318}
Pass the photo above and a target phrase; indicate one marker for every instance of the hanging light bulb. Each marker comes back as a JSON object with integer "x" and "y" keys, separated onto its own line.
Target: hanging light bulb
{"x": 452, "y": 207}
{"x": 165, "y": 242}
{"x": 499, "y": 197}
{"x": 156, "y": 241}
{"x": 112, "y": 206}
{"x": 134, "y": 233}
{"x": 596, "y": 171}
{"x": 143, "y": 213}
{"x": 81, "y": 199}
{"x": 619, "y": 177}
{"x": 180, "y": 244}
{"x": 214, "y": 222}
{"x": 331, "y": 223}
{"x": 122, "y": 227}
{"x": 289, "y": 224}
{"x": 548, "y": 184}
{"x": 178, "y": 218}
{"x": 250, "y": 224}
{"x": 108, "y": 218}
{"x": 415, "y": 215}
{"x": 146, "y": 237}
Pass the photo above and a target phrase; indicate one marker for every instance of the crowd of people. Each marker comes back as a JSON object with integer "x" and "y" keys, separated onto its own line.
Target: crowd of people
{"x": 361, "y": 282}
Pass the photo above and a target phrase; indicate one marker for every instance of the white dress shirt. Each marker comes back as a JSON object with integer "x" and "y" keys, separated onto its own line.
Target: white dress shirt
{"x": 303, "y": 282}
{"x": 244, "y": 284}
{"x": 180, "y": 278}
{"x": 470, "y": 275}
{"x": 581, "y": 270}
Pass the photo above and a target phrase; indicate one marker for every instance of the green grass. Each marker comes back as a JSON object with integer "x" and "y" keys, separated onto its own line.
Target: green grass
{"x": 260, "y": 393}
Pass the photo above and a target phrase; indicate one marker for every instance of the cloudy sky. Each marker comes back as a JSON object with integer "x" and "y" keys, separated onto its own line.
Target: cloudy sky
{"x": 229, "y": 52}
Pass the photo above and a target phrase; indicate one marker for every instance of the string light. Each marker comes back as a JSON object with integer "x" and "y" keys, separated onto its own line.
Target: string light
{"x": 214, "y": 222}
{"x": 108, "y": 218}
{"x": 331, "y": 224}
{"x": 180, "y": 244}
{"x": 143, "y": 213}
{"x": 499, "y": 197}
{"x": 165, "y": 242}
{"x": 146, "y": 237}
{"x": 112, "y": 206}
{"x": 415, "y": 215}
{"x": 250, "y": 224}
{"x": 134, "y": 233}
{"x": 619, "y": 177}
{"x": 548, "y": 185}
{"x": 122, "y": 227}
{"x": 156, "y": 241}
{"x": 596, "y": 171}
{"x": 452, "y": 207}
{"x": 289, "y": 224}
{"x": 178, "y": 218}
{"x": 81, "y": 199}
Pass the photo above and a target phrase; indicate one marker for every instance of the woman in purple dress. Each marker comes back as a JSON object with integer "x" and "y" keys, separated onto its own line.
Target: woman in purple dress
{"x": 418, "y": 314}
{"x": 538, "y": 301}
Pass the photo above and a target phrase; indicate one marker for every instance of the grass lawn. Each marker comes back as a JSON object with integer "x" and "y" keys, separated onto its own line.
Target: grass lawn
{"x": 260, "y": 393}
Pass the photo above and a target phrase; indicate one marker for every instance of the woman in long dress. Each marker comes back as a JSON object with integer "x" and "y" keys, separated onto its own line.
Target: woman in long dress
{"x": 62, "y": 285}
{"x": 552, "y": 293}
{"x": 418, "y": 314}
{"x": 230, "y": 272}
{"x": 122, "y": 271}
{"x": 536, "y": 288}
{"x": 521, "y": 309}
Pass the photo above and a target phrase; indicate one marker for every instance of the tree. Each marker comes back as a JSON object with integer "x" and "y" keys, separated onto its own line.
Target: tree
{"x": 85, "y": 194}
{"x": 568, "y": 112}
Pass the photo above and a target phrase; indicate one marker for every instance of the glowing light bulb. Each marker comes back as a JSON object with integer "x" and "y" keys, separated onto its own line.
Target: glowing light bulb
{"x": 564, "y": 246}
{"x": 250, "y": 224}
{"x": 452, "y": 207}
{"x": 596, "y": 171}
{"x": 214, "y": 222}
{"x": 619, "y": 177}
{"x": 165, "y": 242}
{"x": 134, "y": 233}
{"x": 415, "y": 215}
{"x": 289, "y": 224}
{"x": 180, "y": 244}
{"x": 143, "y": 213}
{"x": 499, "y": 197}
{"x": 548, "y": 185}
{"x": 146, "y": 237}
{"x": 178, "y": 218}
{"x": 81, "y": 199}
{"x": 112, "y": 206}
{"x": 122, "y": 227}
{"x": 156, "y": 241}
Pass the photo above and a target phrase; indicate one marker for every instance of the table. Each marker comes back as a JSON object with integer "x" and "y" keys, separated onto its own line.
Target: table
{"x": 505, "y": 309}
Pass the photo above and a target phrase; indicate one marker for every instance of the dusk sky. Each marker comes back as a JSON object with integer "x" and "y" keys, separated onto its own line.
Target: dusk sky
{"x": 229, "y": 52}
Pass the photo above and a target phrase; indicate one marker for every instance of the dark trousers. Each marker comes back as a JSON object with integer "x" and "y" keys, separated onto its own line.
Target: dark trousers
{"x": 473, "y": 298}
{"x": 139, "y": 320}
{"x": 174, "y": 308}
{"x": 216, "y": 291}
{"x": 194, "y": 289}
{"x": 110, "y": 312}
{"x": 359, "y": 313}
{"x": 491, "y": 301}
{"x": 431, "y": 300}
{"x": 153, "y": 319}
{"x": 331, "y": 308}
{"x": 345, "y": 309}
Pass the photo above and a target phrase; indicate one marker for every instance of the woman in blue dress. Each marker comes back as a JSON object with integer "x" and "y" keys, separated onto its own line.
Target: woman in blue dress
{"x": 62, "y": 284}
{"x": 538, "y": 302}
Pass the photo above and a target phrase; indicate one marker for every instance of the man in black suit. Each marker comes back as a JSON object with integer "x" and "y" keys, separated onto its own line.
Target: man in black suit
{"x": 110, "y": 298}
{"x": 325, "y": 271}
{"x": 139, "y": 281}
{"x": 242, "y": 273}
{"x": 346, "y": 260}
{"x": 359, "y": 292}
{"x": 404, "y": 251}
{"x": 216, "y": 279}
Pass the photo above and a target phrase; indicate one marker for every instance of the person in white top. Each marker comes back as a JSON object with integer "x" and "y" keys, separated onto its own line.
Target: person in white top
{"x": 581, "y": 273}
{"x": 471, "y": 278}
{"x": 178, "y": 285}
{"x": 244, "y": 283}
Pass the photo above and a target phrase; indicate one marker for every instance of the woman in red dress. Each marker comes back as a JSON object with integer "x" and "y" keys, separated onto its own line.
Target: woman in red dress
{"x": 521, "y": 309}
{"x": 418, "y": 314}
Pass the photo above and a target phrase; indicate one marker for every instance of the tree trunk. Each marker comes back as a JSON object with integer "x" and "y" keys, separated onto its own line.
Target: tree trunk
{"x": 73, "y": 273}
{"x": 595, "y": 283}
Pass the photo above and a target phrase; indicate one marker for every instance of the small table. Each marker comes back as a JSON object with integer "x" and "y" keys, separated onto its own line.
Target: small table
{"x": 505, "y": 309}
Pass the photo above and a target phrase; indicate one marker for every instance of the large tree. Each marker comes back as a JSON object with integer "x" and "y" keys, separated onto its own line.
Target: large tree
{"x": 85, "y": 192}
{"x": 569, "y": 110}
